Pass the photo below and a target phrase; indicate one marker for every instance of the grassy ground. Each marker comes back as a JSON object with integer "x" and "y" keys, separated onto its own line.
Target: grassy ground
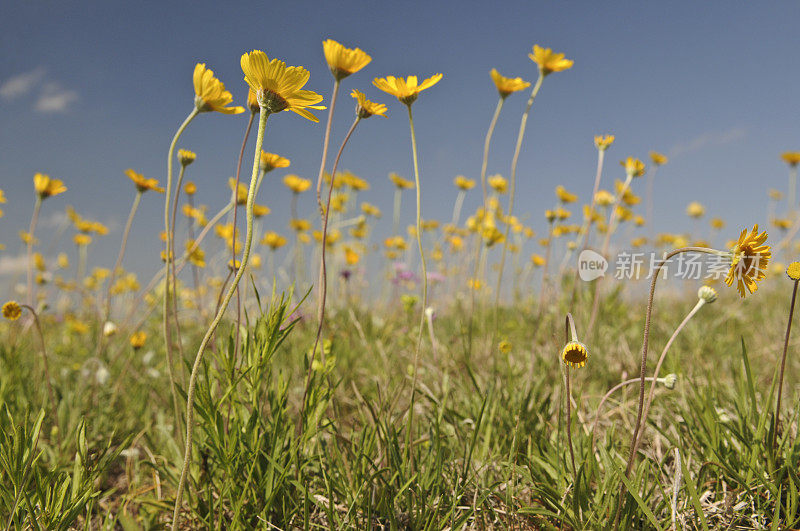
{"x": 488, "y": 444}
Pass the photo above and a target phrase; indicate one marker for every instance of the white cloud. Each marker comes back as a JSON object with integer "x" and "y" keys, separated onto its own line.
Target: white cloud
{"x": 10, "y": 265}
{"x": 20, "y": 84}
{"x": 714, "y": 138}
{"x": 55, "y": 98}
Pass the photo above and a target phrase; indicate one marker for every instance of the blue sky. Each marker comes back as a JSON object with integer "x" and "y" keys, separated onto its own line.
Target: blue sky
{"x": 90, "y": 89}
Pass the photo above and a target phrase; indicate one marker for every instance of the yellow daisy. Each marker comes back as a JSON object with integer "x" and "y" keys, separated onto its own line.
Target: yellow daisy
{"x": 792, "y": 158}
{"x": 12, "y": 310}
{"x": 574, "y": 354}
{"x": 633, "y": 166}
{"x": 210, "y": 93}
{"x": 549, "y": 61}
{"x": 658, "y": 159}
{"x": 278, "y": 87}
{"x": 273, "y": 240}
{"x": 270, "y": 161}
{"x": 47, "y": 187}
{"x": 366, "y": 108}
{"x": 400, "y": 182}
{"x": 507, "y": 85}
{"x": 344, "y": 61}
{"x": 296, "y": 184}
{"x": 603, "y": 141}
{"x": 462, "y": 183}
{"x": 406, "y": 90}
{"x": 142, "y": 183}
{"x": 750, "y": 258}
{"x": 186, "y": 157}
{"x": 564, "y": 196}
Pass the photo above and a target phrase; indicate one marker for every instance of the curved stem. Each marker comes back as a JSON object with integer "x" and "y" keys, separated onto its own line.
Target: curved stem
{"x": 323, "y": 271}
{"x": 486, "y": 143}
{"x": 167, "y": 247}
{"x": 262, "y": 123}
{"x": 661, "y": 359}
{"x": 783, "y": 366}
{"x": 605, "y": 398}
{"x": 512, "y": 189}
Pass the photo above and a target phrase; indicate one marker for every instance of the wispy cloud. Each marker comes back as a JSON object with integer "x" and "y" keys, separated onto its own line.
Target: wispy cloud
{"x": 10, "y": 265}
{"x": 52, "y": 96}
{"x": 21, "y": 84}
{"x": 710, "y": 139}
{"x": 55, "y": 98}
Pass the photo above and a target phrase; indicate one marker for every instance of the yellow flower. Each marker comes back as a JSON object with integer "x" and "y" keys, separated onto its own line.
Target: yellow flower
{"x": 299, "y": 224}
{"x": 717, "y": 223}
{"x": 695, "y": 210}
{"x": 46, "y": 187}
{"x": 400, "y": 182}
{"x": 371, "y": 210}
{"x": 633, "y": 166}
{"x": 261, "y": 210}
{"x": 296, "y": 184}
{"x": 344, "y": 61}
{"x": 498, "y": 183}
{"x": 12, "y": 310}
{"x": 574, "y": 354}
{"x": 782, "y": 223}
{"x": 406, "y": 90}
{"x": 38, "y": 262}
{"x": 210, "y": 93}
{"x": 775, "y": 195}
{"x": 549, "y": 61}
{"x": 350, "y": 256}
{"x": 270, "y": 161}
{"x": 241, "y": 191}
{"x": 62, "y": 260}
{"x": 190, "y": 188}
{"x": 138, "y": 339}
{"x": 2, "y": 196}
{"x": 355, "y": 182}
{"x": 82, "y": 239}
{"x": 197, "y": 256}
{"x": 603, "y": 141}
{"x": 507, "y": 85}
{"x": 462, "y": 183}
{"x": 749, "y": 261}
{"x": 278, "y": 87}
{"x": 366, "y": 108}
{"x": 273, "y": 240}
{"x": 658, "y": 158}
{"x": 564, "y": 196}
{"x": 792, "y": 158}
{"x": 604, "y": 198}
{"x": 638, "y": 242}
{"x": 504, "y": 346}
{"x": 142, "y": 183}
{"x": 793, "y": 271}
{"x": 628, "y": 197}
{"x": 186, "y": 157}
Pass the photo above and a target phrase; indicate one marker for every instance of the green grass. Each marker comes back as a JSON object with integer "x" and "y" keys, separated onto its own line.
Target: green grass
{"x": 488, "y": 450}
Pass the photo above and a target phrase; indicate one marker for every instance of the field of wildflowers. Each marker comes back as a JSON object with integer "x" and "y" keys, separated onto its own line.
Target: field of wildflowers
{"x": 491, "y": 369}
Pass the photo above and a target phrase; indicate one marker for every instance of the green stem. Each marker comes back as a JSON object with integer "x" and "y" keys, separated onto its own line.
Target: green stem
{"x": 34, "y": 219}
{"x": 325, "y": 142}
{"x": 486, "y": 143}
{"x": 511, "y": 191}
{"x": 783, "y": 366}
{"x": 118, "y": 263}
{"x": 262, "y": 123}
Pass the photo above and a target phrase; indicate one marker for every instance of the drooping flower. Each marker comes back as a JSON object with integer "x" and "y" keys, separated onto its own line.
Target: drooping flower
{"x": 507, "y": 85}
{"x": 406, "y": 90}
{"x": 366, "y": 108}
{"x": 12, "y": 310}
{"x": 549, "y": 61}
{"x": 142, "y": 183}
{"x": 749, "y": 261}
{"x": 278, "y": 87}
{"x": 344, "y": 61}
{"x": 574, "y": 354}
{"x": 210, "y": 94}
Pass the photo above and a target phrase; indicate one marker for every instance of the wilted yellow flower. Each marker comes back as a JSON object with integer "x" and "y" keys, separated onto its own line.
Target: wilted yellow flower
{"x": 564, "y": 196}
{"x": 366, "y": 108}
{"x": 12, "y": 310}
{"x": 270, "y": 161}
{"x": 507, "y": 85}
{"x": 47, "y": 187}
{"x": 695, "y": 210}
{"x": 406, "y": 90}
{"x": 603, "y": 141}
{"x": 792, "y": 158}
{"x": 138, "y": 339}
{"x": 633, "y": 166}
{"x": 400, "y": 182}
{"x": 344, "y": 61}
{"x": 210, "y": 93}
{"x": 498, "y": 183}
{"x": 749, "y": 261}
{"x": 549, "y": 61}
{"x": 278, "y": 87}
{"x": 658, "y": 159}
{"x": 273, "y": 240}
{"x": 142, "y": 183}
{"x": 186, "y": 157}
{"x": 574, "y": 354}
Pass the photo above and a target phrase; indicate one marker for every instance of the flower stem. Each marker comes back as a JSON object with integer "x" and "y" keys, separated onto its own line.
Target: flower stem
{"x": 783, "y": 366}
{"x": 118, "y": 263}
{"x": 45, "y": 369}
{"x": 34, "y": 219}
{"x": 486, "y": 143}
{"x": 511, "y": 190}
{"x": 262, "y": 123}
{"x": 606, "y": 397}
{"x": 325, "y": 142}
{"x": 167, "y": 247}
